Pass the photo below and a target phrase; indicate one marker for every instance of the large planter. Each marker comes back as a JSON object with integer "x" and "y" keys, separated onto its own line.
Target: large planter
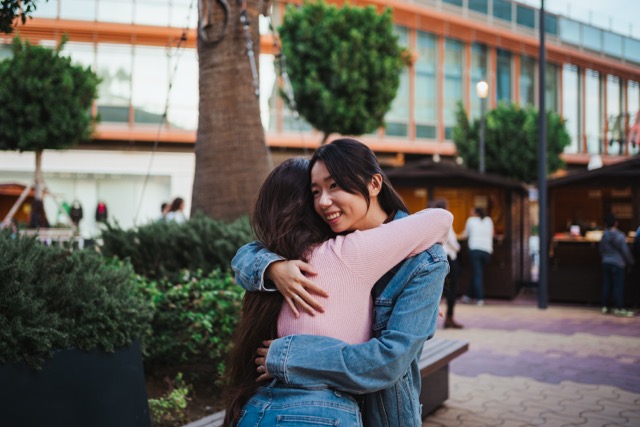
{"x": 76, "y": 388}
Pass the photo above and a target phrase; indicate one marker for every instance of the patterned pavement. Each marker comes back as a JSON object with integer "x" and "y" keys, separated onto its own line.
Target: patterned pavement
{"x": 563, "y": 366}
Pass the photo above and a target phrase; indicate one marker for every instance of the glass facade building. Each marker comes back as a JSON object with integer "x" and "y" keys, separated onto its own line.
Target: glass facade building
{"x": 591, "y": 78}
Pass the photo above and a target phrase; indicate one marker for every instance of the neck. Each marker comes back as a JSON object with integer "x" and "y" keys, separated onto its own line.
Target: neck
{"x": 376, "y": 216}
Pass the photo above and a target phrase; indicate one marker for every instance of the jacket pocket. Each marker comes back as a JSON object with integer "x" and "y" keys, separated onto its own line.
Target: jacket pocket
{"x": 382, "y": 308}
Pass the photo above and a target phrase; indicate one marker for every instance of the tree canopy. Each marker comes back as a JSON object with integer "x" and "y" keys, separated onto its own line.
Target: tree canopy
{"x": 511, "y": 141}
{"x": 45, "y": 99}
{"x": 12, "y": 9}
{"x": 344, "y": 65}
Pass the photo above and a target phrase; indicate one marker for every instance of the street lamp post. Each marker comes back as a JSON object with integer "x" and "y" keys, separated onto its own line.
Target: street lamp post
{"x": 482, "y": 89}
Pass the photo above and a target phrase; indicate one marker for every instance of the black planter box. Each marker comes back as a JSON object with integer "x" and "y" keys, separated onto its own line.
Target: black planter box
{"x": 76, "y": 388}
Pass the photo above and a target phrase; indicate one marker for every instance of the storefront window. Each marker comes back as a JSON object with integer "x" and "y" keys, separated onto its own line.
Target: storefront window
{"x": 615, "y": 120}
{"x": 150, "y": 83}
{"x": 527, "y": 80}
{"x": 114, "y": 93}
{"x": 503, "y": 76}
{"x": 479, "y": 72}
{"x": 426, "y": 87}
{"x": 152, "y": 12}
{"x": 84, "y": 10}
{"x": 397, "y": 119}
{"x": 453, "y": 92}
{"x": 571, "y": 105}
{"x": 593, "y": 112}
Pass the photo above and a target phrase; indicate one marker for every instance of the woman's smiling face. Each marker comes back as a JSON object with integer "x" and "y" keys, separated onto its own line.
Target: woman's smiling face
{"x": 343, "y": 211}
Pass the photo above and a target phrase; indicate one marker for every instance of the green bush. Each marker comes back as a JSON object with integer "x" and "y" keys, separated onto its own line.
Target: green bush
{"x": 51, "y": 298}
{"x": 171, "y": 408}
{"x": 194, "y": 319}
{"x": 162, "y": 250}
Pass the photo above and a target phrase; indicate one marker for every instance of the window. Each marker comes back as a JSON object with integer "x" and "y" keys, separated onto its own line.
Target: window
{"x": 115, "y": 11}
{"x": 633, "y": 103}
{"x": 84, "y": 10}
{"x": 479, "y": 72}
{"x": 612, "y": 44}
{"x": 183, "y": 99}
{"x": 551, "y": 87}
{"x": 525, "y": 16}
{"x": 114, "y": 94}
{"x": 150, "y": 83}
{"x": 503, "y": 76}
{"x": 426, "y": 86}
{"x": 397, "y": 119}
{"x": 571, "y": 106}
{"x": 551, "y": 24}
{"x": 615, "y": 120}
{"x": 632, "y": 50}
{"x": 454, "y": 2}
{"x": 453, "y": 87}
{"x": 570, "y": 31}
{"x": 527, "y": 81}
{"x": 152, "y": 12}
{"x": 593, "y": 112}
{"x": 502, "y": 9}
{"x": 481, "y": 6}
{"x": 592, "y": 38}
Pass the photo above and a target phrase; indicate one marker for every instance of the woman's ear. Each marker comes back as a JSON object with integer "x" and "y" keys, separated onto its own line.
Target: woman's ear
{"x": 375, "y": 186}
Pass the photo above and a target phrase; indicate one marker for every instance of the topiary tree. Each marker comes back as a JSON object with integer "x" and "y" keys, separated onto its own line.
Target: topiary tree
{"x": 12, "y": 9}
{"x": 45, "y": 102}
{"x": 511, "y": 141}
{"x": 344, "y": 64}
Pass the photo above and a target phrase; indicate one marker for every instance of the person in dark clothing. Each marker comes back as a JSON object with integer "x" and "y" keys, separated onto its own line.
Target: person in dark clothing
{"x": 38, "y": 217}
{"x": 615, "y": 255}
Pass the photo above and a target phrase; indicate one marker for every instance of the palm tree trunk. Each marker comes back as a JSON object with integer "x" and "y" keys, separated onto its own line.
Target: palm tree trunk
{"x": 38, "y": 177}
{"x": 231, "y": 155}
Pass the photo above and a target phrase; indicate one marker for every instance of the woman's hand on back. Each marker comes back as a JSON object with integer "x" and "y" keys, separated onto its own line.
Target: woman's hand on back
{"x": 295, "y": 286}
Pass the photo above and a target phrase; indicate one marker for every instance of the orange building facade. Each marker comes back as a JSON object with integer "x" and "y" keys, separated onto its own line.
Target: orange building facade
{"x": 592, "y": 74}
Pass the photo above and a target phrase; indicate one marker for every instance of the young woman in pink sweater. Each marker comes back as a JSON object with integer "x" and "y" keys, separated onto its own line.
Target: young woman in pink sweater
{"x": 345, "y": 267}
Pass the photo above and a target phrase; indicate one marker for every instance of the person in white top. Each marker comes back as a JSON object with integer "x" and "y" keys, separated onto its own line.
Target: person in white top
{"x": 452, "y": 247}
{"x": 479, "y": 233}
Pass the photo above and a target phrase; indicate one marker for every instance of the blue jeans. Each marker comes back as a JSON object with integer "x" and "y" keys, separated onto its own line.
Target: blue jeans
{"x": 612, "y": 282}
{"x": 280, "y": 405}
{"x": 479, "y": 260}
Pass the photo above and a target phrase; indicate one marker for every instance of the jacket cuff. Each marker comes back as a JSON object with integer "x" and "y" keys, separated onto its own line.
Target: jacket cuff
{"x": 278, "y": 356}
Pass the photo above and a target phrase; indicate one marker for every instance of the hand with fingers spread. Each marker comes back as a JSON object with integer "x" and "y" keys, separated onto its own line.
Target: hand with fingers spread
{"x": 261, "y": 361}
{"x": 295, "y": 286}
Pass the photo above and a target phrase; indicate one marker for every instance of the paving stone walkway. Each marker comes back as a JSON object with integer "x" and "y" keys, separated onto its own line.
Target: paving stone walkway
{"x": 563, "y": 366}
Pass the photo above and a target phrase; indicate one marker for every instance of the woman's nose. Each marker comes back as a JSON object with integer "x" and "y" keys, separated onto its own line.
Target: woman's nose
{"x": 324, "y": 200}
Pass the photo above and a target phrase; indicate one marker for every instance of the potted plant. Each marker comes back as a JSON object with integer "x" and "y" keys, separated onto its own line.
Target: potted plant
{"x": 69, "y": 330}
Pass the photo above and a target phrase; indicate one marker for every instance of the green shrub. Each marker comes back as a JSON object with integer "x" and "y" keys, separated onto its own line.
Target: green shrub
{"x": 194, "y": 319}
{"x": 51, "y": 298}
{"x": 162, "y": 250}
{"x": 171, "y": 408}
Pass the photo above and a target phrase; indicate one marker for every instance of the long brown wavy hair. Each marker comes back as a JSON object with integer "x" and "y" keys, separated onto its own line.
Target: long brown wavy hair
{"x": 284, "y": 221}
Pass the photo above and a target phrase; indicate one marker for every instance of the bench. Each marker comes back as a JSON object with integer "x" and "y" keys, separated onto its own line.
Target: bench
{"x": 434, "y": 370}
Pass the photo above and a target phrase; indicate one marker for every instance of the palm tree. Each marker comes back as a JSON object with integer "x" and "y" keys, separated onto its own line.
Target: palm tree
{"x": 231, "y": 155}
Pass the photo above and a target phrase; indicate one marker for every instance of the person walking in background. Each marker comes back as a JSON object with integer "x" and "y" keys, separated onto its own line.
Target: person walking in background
{"x": 176, "y": 211}
{"x": 164, "y": 210}
{"x": 615, "y": 257}
{"x": 452, "y": 247}
{"x": 479, "y": 233}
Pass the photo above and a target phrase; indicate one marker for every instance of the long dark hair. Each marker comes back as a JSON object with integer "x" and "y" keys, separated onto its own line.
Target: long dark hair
{"x": 284, "y": 221}
{"x": 352, "y": 165}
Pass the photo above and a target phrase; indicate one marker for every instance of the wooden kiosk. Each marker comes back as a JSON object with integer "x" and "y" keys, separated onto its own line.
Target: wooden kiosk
{"x": 577, "y": 206}
{"x": 506, "y": 202}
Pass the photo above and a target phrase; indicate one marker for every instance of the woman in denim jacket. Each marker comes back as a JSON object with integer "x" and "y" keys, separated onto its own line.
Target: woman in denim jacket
{"x": 406, "y": 305}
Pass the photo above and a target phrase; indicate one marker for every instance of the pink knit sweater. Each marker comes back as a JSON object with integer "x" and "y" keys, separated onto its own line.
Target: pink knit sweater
{"x": 348, "y": 267}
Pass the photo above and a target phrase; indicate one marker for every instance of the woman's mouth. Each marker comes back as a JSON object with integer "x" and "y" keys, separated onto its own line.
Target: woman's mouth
{"x": 333, "y": 217}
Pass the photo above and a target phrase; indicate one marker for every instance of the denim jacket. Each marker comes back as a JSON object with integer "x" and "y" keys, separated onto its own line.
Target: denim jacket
{"x": 384, "y": 368}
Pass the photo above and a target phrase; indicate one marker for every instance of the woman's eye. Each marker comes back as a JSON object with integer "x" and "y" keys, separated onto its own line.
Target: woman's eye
{"x": 333, "y": 185}
{"x": 315, "y": 193}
